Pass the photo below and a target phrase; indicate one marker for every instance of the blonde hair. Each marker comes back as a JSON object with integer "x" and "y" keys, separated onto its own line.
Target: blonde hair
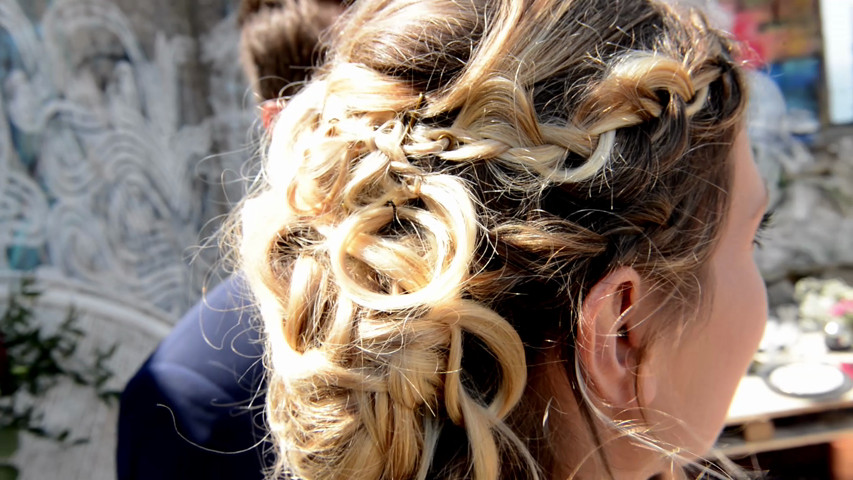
{"x": 437, "y": 201}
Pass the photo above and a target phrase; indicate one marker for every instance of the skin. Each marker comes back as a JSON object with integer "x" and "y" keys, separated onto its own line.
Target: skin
{"x": 697, "y": 379}
{"x": 682, "y": 384}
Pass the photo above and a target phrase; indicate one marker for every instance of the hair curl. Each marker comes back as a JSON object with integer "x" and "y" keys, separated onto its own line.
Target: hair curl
{"x": 438, "y": 200}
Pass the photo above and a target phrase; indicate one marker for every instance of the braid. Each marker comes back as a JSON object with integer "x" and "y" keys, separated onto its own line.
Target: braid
{"x": 420, "y": 198}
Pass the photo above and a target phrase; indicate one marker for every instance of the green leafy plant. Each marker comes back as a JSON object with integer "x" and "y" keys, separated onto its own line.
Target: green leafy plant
{"x": 33, "y": 358}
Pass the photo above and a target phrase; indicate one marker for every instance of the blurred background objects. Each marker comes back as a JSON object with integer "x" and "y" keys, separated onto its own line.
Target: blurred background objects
{"x": 126, "y": 128}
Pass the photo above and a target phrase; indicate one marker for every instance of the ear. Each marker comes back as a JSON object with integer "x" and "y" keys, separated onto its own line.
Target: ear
{"x": 269, "y": 111}
{"x": 610, "y": 339}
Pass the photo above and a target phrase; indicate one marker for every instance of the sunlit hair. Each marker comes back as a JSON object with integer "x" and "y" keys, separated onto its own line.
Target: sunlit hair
{"x": 439, "y": 199}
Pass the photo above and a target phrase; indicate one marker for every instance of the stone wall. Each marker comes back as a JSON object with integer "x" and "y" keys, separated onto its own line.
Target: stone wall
{"x": 124, "y": 129}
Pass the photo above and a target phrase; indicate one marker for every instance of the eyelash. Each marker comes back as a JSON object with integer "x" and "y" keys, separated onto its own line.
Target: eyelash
{"x": 766, "y": 222}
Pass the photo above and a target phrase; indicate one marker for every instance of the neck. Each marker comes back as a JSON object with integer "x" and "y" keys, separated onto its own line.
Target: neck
{"x": 579, "y": 447}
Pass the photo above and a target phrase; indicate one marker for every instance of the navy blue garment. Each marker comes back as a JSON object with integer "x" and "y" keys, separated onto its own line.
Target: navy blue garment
{"x": 194, "y": 409}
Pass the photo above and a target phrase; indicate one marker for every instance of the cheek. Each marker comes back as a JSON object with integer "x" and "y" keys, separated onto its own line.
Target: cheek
{"x": 736, "y": 325}
{"x": 712, "y": 357}
{"x": 744, "y": 308}
{"x": 738, "y": 316}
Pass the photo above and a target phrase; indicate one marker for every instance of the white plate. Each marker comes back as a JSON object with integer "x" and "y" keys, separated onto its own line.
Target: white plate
{"x": 807, "y": 379}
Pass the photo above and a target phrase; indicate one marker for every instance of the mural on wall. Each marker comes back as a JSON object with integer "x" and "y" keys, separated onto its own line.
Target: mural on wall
{"x": 783, "y": 39}
{"x": 103, "y": 180}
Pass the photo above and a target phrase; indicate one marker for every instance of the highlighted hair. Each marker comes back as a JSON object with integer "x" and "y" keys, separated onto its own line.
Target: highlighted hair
{"x": 437, "y": 201}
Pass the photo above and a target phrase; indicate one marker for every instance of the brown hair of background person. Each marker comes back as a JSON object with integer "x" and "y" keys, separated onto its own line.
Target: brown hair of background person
{"x": 280, "y": 41}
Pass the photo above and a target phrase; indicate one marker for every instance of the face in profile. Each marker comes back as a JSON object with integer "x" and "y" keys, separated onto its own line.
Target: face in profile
{"x": 700, "y": 370}
{"x": 682, "y": 383}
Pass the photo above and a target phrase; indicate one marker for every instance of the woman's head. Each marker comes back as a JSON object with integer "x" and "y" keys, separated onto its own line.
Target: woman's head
{"x": 280, "y": 39}
{"x": 472, "y": 194}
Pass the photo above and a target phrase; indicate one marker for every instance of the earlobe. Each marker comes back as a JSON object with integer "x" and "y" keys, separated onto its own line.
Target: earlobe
{"x": 610, "y": 338}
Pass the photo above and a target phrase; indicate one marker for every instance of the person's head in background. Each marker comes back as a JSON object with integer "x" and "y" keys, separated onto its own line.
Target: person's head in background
{"x": 507, "y": 239}
{"x": 280, "y": 41}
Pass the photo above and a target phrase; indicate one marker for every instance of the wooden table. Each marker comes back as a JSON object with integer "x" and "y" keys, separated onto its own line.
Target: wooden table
{"x": 761, "y": 419}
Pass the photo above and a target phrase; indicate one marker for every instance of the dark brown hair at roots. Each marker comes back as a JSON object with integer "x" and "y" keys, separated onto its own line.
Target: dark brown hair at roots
{"x": 282, "y": 41}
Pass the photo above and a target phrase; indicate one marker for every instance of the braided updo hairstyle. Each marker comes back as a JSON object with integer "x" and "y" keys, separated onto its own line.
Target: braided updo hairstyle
{"x": 438, "y": 200}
